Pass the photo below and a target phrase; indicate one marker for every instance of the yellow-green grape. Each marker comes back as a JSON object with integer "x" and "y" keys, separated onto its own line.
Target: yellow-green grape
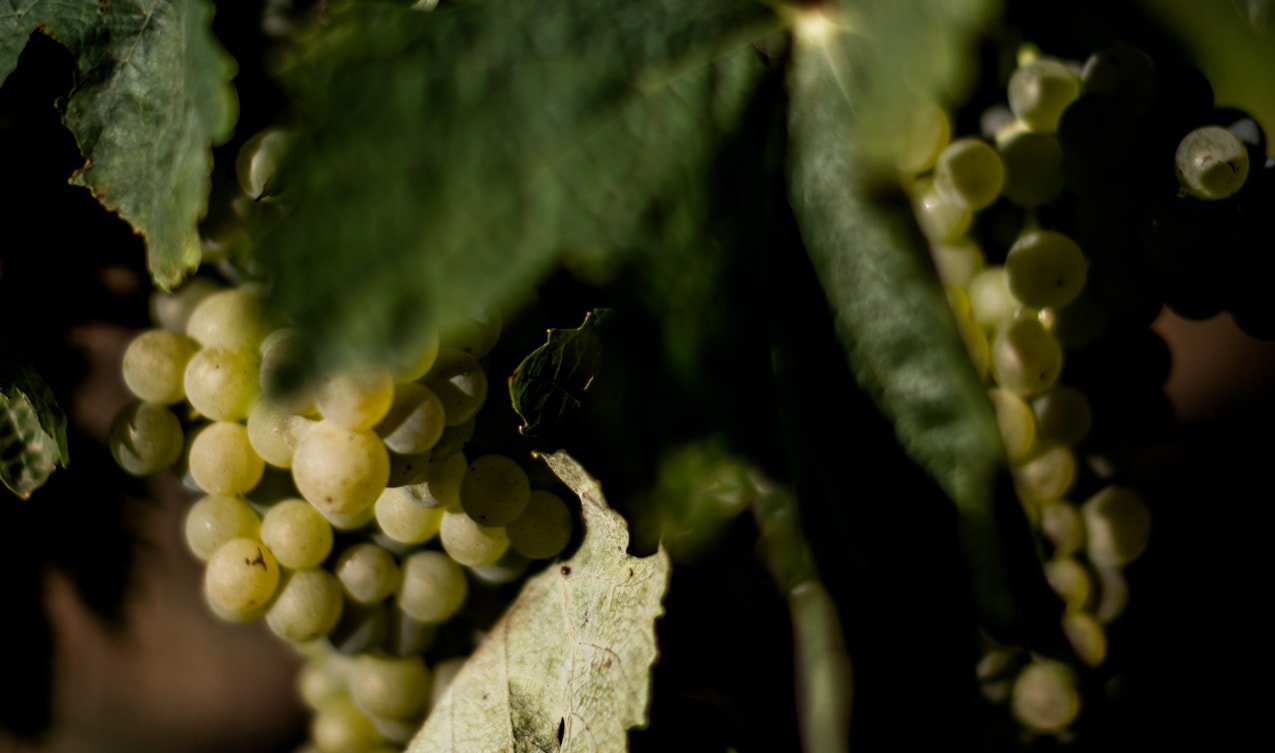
{"x": 977, "y": 345}
{"x": 494, "y": 490}
{"x": 928, "y": 132}
{"x": 172, "y": 310}
{"x": 510, "y": 567}
{"x": 1118, "y": 525}
{"x": 390, "y": 687}
{"x": 339, "y": 727}
{"x": 441, "y": 485}
{"x": 1211, "y": 163}
{"x": 1016, "y": 422}
{"x": 298, "y": 534}
{"x": 414, "y": 361}
{"x": 362, "y": 628}
{"x": 433, "y": 586}
{"x": 1047, "y": 476}
{"x": 543, "y": 529}
{"x": 460, "y": 382}
{"x": 1040, "y": 90}
{"x": 145, "y": 439}
{"x": 349, "y": 521}
{"x": 1113, "y": 593}
{"x": 323, "y": 678}
{"x": 407, "y": 636}
{"x": 357, "y": 397}
{"x": 415, "y": 420}
{"x": 1071, "y": 581}
{"x": 367, "y": 572}
{"x": 1061, "y": 523}
{"x": 453, "y": 440}
{"x": 1026, "y": 358}
{"x": 1063, "y": 415}
{"x": 221, "y": 384}
{"x": 268, "y": 432}
{"x": 1044, "y": 697}
{"x": 475, "y": 334}
{"x": 406, "y": 470}
{"x": 340, "y": 470}
{"x": 307, "y": 608}
{"x": 969, "y": 174}
{"x": 991, "y": 302}
{"x": 216, "y": 519}
{"x": 257, "y": 164}
{"x": 155, "y": 365}
{"x": 1087, "y": 637}
{"x": 229, "y": 319}
{"x": 279, "y": 352}
{"x": 941, "y": 221}
{"x": 405, "y": 521}
{"x": 240, "y": 579}
{"x": 1045, "y": 268}
{"x": 1033, "y": 167}
{"x": 222, "y": 460}
{"x": 957, "y": 262}
{"x": 470, "y": 543}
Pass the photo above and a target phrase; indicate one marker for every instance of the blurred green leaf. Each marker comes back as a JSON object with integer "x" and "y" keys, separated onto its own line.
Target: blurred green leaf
{"x": 32, "y": 425}
{"x": 552, "y": 380}
{"x": 452, "y": 159}
{"x": 152, "y": 96}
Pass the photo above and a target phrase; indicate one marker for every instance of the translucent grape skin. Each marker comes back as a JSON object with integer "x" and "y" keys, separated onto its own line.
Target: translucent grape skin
{"x": 1040, "y": 91}
{"x": 298, "y": 534}
{"x": 969, "y": 174}
{"x": 340, "y": 470}
{"x": 1046, "y": 269}
{"x": 222, "y": 460}
{"x": 1211, "y": 163}
{"x": 240, "y": 579}
{"x": 154, "y": 365}
{"x": 221, "y": 384}
{"x": 308, "y": 606}
{"x": 216, "y": 519}
{"x": 1026, "y": 359}
{"x": 495, "y": 490}
{"x": 145, "y": 439}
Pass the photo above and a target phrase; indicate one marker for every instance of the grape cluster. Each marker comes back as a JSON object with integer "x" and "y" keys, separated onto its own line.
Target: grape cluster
{"x": 345, "y": 513}
{"x": 1095, "y": 195}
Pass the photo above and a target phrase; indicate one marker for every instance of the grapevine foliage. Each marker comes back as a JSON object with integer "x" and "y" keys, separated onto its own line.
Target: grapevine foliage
{"x": 32, "y": 425}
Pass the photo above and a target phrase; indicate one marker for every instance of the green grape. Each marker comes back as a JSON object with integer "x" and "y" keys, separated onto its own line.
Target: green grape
{"x": 543, "y": 529}
{"x": 1063, "y": 415}
{"x": 298, "y": 534}
{"x": 453, "y": 440}
{"x": 145, "y": 439}
{"x": 475, "y": 334}
{"x": 1016, "y": 422}
{"x": 433, "y": 587}
{"x": 929, "y": 131}
{"x": 222, "y": 384}
{"x": 957, "y": 262}
{"x": 406, "y": 470}
{"x": 356, "y": 398}
{"x": 969, "y": 174}
{"x": 349, "y": 521}
{"x": 1045, "y": 269}
{"x": 407, "y": 636}
{"x": 390, "y": 687}
{"x": 1026, "y": 358}
{"x": 172, "y": 310}
{"x": 222, "y": 460}
{"x": 216, "y": 519}
{"x": 240, "y": 579}
{"x": 1044, "y": 697}
{"x": 307, "y": 608}
{"x": 940, "y": 220}
{"x": 1071, "y": 581}
{"x": 460, "y": 383}
{"x": 1047, "y": 476}
{"x": 1211, "y": 163}
{"x": 339, "y": 727}
{"x": 368, "y": 573}
{"x": 441, "y": 485}
{"x": 405, "y": 521}
{"x": 1113, "y": 593}
{"x": 229, "y": 319}
{"x": 414, "y": 361}
{"x": 1061, "y": 523}
{"x": 415, "y": 420}
{"x": 155, "y": 365}
{"x": 340, "y": 470}
{"x": 1118, "y": 525}
{"x": 1039, "y": 92}
{"x": 1033, "y": 167}
{"x": 323, "y": 678}
{"x": 257, "y": 164}
{"x": 991, "y": 301}
{"x": 494, "y": 490}
{"x": 280, "y": 352}
{"x": 1087, "y": 637}
{"x": 362, "y": 628}
{"x": 469, "y": 543}
{"x": 268, "y": 432}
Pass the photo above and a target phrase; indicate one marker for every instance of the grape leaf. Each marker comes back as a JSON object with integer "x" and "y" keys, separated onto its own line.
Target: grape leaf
{"x": 552, "y": 380}
{"x": 152, "y": 96}
{"x": 32, "y": 426}
{"x": 568, "y": 666}
{"x": 452, "y": 159}
{"x": 891, "y": 314}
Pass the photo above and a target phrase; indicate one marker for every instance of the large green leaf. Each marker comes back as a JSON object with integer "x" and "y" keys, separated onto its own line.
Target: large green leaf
{"x": 32, "y": 425}
{"x": 890, "y": 311}
{"x": 452, "y": 159}
{"x": 568, "y": 667}
{"x": 152, "y": 96}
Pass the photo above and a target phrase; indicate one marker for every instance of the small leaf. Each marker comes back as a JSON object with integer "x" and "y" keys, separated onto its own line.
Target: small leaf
{"x": 152, "y": 96}
{"x": 32, "y": 426}
{"x": 552, "y": 380}
{"x": 569, "y": 665}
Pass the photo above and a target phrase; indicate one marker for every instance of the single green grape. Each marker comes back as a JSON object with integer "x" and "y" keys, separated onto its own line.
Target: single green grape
{"x": 1045, "y": 268}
